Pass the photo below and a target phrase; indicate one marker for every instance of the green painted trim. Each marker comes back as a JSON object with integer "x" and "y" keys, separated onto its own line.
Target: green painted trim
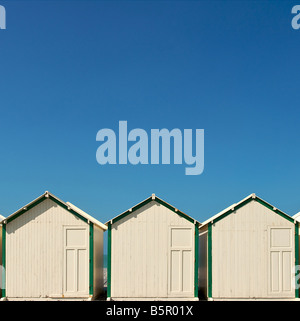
{"x": 196, "y": 260}
{"x": 3, "y": 260}
{"x": 91, "y": 261}
{"x": 66, "y": 208}
{"x": 259, "y": 200}
{"x": 40, "y": 200}
{"x": 148, "y": 200}
{"x": 173, "y": 210}
{"x": 296, "y": 257}
{"x": 209, "y": 261}
{"x": 109, "y": 262}
{"x": 118, "y": 218}
{"x": 275, "y": 211}
{"x": 230, "y": 211}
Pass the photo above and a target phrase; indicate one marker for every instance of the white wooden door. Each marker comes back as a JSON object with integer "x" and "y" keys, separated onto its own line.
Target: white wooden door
{"x": 76, "y": 261}
{"x": 181, "y": 262}
{"x": 281, "y": 258}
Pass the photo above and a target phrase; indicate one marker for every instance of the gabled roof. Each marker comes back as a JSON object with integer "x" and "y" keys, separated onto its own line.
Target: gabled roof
{"x": 87, "y": 216}
{"x": 67, "y": 206}
{"x": 153, "y": 198}
{"x": 234, "y": 207}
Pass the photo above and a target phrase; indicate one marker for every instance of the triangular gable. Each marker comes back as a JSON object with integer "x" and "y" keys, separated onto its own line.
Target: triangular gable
{"x": 69, "y": 207}
{"x": 229, "y": 210}
{"x": 152, "y": 198}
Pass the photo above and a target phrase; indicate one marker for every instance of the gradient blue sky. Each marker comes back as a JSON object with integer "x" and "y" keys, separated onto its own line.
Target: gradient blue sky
{"x": 70, "y": 68}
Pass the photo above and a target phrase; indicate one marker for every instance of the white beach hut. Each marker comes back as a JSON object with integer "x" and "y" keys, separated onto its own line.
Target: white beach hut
{"x": 152, "y": 253}
{"x": 52, "y": 249}
{"x": 248, "y": 251}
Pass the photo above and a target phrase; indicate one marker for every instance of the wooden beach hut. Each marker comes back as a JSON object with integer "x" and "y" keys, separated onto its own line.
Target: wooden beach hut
{"x": 52, "y": 249}
{"x": 248, "y": 251}
{"x": 152, "y": 253}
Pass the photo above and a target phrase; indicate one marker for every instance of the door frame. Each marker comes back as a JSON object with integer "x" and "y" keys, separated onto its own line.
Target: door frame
{"x": 86, "y": 292}
{"x": 181, "y": 249}
{"x": 281, "y": 294}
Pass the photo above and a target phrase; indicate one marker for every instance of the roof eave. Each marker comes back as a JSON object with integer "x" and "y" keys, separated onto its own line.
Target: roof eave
{"x": 233, "y": 206}
{"x": 69, "y": 206}
{"x": 154, "y": 198}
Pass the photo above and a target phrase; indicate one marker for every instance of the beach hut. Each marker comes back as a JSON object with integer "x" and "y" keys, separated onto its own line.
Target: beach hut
{"x": 52, "y": 249}
{"x": 152, "y": 253}
{"x": 248, "y": 251}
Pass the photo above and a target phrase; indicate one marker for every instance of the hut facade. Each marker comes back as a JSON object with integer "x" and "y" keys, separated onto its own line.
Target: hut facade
{"x": 248, "y": 251}
{"x": 52, "y": 249}
{"x": 152, "y": 253}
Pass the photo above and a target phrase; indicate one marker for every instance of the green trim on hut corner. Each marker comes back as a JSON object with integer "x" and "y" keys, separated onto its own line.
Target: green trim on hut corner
{"x": 296, "y": 258}
{"x": 3, "y": 260}
{"x": 196, "y": 260}
{"x": 91, "y": 260}
{"x": 109, "y": 262}
{"x": 209, "y": 261}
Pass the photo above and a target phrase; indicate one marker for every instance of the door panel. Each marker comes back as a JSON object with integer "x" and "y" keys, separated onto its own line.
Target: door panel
{"x": 275, "y": 262}
{"x": 82, "y": 270}
{"x": 76, "y": 237}
{"x": 70, "y": 270}
{"x": 286, "y": 271}
{"x": 175, "y": 271}
{"x": 181, "y": 237}
{"x": 186, "y": 271}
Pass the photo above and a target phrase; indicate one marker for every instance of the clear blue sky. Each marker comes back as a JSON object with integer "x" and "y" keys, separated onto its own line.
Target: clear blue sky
{"x": 70, "y": 68}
